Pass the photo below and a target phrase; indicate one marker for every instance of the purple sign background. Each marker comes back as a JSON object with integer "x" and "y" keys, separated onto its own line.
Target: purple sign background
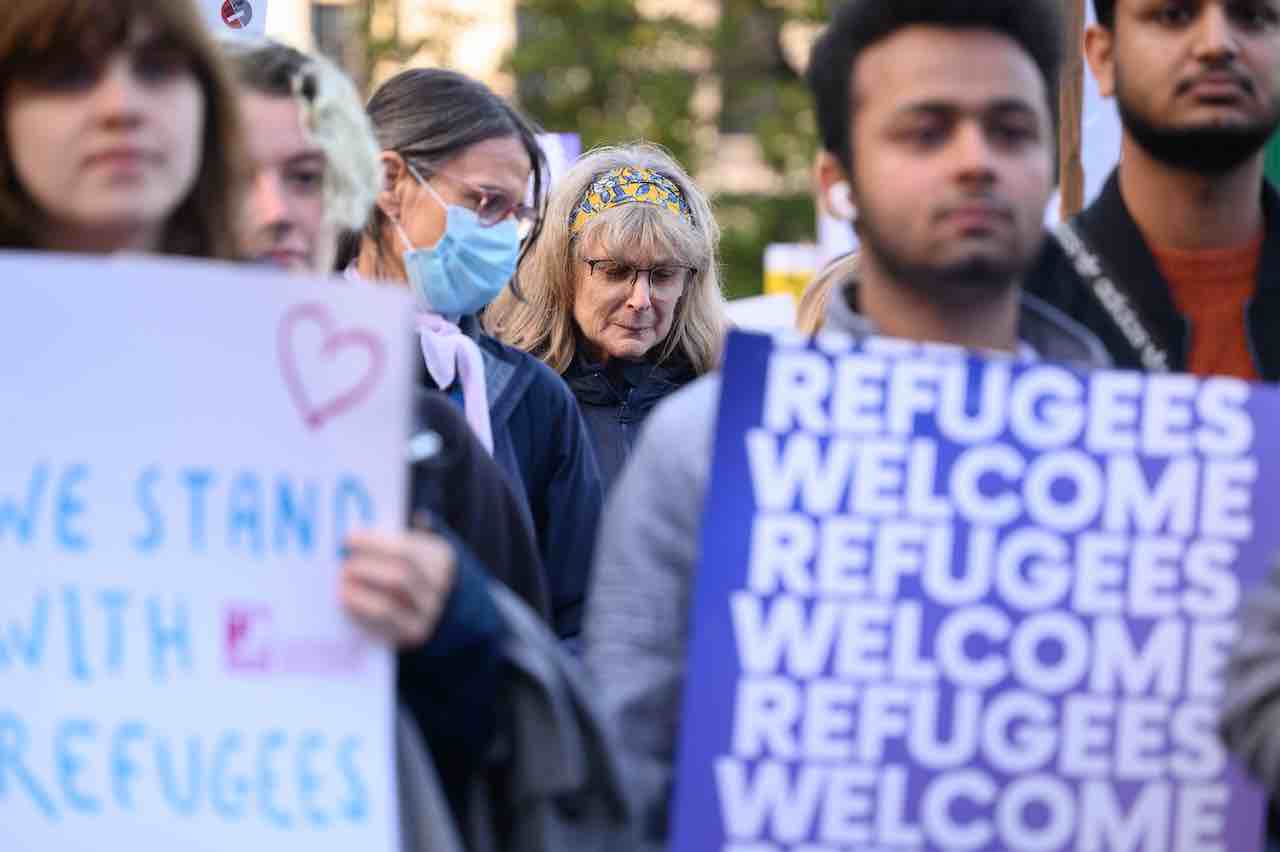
{"x": 843, "y": 693}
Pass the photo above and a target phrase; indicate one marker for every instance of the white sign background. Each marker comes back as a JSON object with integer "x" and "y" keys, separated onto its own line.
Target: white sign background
{"x": 165, "y": 484}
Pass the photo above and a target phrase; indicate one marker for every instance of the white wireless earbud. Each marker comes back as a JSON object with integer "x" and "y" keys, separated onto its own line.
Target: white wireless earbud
{"x": 840, "y": 201}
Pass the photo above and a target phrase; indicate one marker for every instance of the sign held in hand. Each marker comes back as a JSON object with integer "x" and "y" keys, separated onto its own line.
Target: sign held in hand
{"x": 972, "y": 605}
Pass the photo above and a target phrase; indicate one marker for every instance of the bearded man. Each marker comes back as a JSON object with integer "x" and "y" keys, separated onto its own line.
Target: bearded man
{"x": 1176, "y": 266}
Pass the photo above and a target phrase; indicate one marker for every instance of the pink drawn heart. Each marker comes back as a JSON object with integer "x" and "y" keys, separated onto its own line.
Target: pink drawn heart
{"x": 316, "y": 412}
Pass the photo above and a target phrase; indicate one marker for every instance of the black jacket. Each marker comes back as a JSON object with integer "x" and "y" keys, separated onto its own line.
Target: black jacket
{"x": 542, "y": 443}
{"x": 463, "y": 487}
{"x": 616, "y": 399}
{"x": 1109, "y": 230}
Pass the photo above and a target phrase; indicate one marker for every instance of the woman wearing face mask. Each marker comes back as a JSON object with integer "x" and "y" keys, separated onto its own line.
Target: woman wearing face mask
{"x": 120, "y": 129}
{"x": 449, "y": 221}
{"x": 621, "y": 294}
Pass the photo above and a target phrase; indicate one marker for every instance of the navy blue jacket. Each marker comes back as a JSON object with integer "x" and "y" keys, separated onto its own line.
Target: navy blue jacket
{"x": 542, "y": 442}
{"x": 616, "y": 399}
{"x": 451, "y": 683}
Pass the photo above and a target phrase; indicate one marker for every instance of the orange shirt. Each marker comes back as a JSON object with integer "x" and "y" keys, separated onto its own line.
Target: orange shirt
{"x": 1212, "y": 288}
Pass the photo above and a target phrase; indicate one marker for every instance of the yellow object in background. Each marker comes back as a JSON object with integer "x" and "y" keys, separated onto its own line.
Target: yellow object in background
{"x": 788, "y": 268}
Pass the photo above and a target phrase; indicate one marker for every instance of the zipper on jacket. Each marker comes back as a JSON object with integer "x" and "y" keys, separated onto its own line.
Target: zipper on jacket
{"x": 622, "y": 420}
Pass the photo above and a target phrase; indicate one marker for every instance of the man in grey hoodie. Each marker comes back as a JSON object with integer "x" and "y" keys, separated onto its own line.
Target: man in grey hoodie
{"x": 939, "y": 115}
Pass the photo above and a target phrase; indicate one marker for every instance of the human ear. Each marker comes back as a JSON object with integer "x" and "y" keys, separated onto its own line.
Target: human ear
{"x": 835, "y": 192}
{"x": 1099, "y": 49}
{"x": 390, "y": 199}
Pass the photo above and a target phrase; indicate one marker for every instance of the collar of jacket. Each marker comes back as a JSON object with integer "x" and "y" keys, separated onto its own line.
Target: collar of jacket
{"x": 1114, "y": 235}
{"x": 1044, "y": 330}
{"x": 594, "y": 384}
{"x": 504, "y": 382}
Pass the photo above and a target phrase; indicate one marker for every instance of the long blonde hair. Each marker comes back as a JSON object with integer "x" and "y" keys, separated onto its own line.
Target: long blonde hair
{"x": 542, "y": 323}
{"x": 811, "y": 314}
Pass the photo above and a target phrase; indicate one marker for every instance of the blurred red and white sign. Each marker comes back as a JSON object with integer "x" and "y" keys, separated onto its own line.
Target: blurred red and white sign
{"x": 235, "y": 18}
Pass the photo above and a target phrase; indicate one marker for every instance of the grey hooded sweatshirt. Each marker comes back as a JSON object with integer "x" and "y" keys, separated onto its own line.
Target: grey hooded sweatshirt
{"x": 637, "y": 615}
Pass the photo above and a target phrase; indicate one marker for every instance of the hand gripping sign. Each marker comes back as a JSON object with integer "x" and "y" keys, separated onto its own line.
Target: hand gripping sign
{"x": 186, "y": 447}
{"x": 954, "y": 604}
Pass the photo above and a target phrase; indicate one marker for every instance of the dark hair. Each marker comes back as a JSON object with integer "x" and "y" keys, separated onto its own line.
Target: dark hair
{"x": 39, "y": 35}
{"x": 1105, "y": 12}
{"x": 429, "y": 116}
{"x": 270, "y": 68}
{"x": 1035, "y": 25}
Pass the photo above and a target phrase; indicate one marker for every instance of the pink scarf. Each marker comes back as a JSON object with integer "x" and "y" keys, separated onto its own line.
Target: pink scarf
{"x": 449, "y": 355}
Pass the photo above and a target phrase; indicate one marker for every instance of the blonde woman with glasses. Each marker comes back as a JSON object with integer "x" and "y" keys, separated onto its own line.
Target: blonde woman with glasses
{"x": 620, "y": 293}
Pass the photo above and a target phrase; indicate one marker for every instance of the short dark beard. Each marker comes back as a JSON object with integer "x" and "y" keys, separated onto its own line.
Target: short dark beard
{"x": 960, "y": 283}
{"x": 1207, "y": 151}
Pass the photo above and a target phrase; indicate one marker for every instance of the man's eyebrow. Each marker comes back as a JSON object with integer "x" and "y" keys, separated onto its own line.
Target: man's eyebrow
{"x": 945, "y": 108}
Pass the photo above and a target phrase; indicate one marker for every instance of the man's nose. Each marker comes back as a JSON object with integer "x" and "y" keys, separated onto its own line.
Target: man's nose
{"x": 1215, "y": 36}
{"x": 974, "y": 154}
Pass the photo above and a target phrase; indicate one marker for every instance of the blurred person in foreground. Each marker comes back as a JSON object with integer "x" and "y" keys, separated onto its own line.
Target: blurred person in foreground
{"x": 313, "y": 161}
{"x": 482, "y": 678}
{"x": 449, "y": 222}
{"x": 120, "y": 130}
{"x": 939, "y": 114}
{"x": 314, "y": 171}
{"x": 620, "y": 294}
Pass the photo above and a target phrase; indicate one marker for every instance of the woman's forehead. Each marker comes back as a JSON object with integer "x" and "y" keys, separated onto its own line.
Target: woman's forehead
{"x": 633, "y": 243}
{"x": 500, "y": 163}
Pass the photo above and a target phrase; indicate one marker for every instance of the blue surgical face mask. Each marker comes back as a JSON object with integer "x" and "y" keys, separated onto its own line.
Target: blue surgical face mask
{"x": 468, "y": 267}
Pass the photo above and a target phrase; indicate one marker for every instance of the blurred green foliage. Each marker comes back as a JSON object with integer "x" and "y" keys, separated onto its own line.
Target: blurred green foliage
{"x": 612, "y": 74}
{"x": 1273, "y": 160}
{"x": 751, "y": 222}
{"x": 601, "y": 69}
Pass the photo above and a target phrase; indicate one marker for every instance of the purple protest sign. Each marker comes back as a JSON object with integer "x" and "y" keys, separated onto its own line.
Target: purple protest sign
{"x": 947, "y": 603}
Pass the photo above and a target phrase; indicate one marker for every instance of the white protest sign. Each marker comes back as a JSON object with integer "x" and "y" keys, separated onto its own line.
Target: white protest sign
{"x": 186, "y": 445}
{"x": 235, "y": 18}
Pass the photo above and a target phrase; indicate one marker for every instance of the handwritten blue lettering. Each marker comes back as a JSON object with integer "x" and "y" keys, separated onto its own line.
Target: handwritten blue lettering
{"x": 244, "y": 514}
{"x": 197, "y": 481}
{"x": 77, "y": 658}
{"x": 289, "y": 517}
{"x": 350, "y": 494}
{"x": 23, "y": 520}
{"x": 183, "y": 801}
{"x": 114, "y": 602}
{"x": 124, "y": 769}
{"x": 229, "y": 803}
{"x": 309, "y": 780}
{"x": 267, "y": 805}
{"x": 150, "y": 540}
{"x": 356, "y": 807}
{"x": 175, "y": 637}
{"x": 70, "y": 510}
{"x": 70, "y": 765}
{"x": 14, "y": 741}
{"x": 28, "y": 644}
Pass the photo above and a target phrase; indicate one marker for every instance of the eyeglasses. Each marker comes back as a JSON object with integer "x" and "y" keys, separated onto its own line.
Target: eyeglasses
{"x": 664, "y": 277}
{"x": 494, "y": 207}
